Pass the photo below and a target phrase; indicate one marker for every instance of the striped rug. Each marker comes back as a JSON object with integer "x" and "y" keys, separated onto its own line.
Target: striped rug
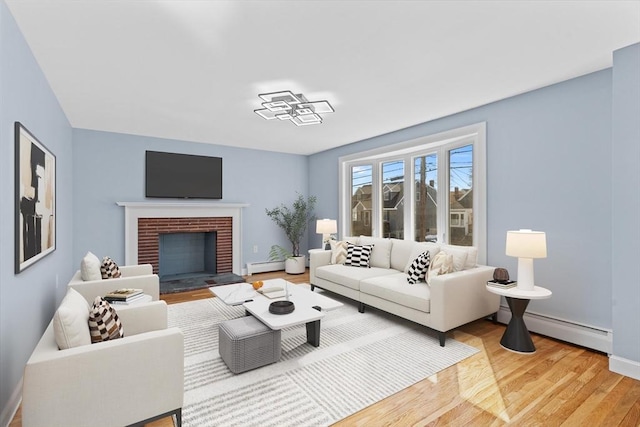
{"x": 362, "y": 359}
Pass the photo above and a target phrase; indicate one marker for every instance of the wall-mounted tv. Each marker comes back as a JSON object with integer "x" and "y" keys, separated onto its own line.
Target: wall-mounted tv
{"x": 182, "y": 176}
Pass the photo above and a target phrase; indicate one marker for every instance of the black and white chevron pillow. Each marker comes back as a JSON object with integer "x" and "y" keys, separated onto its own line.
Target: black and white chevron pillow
{"x": 104, "y": 323}
{"x": 358, "y": 256}
{"x": 109, "y": 269}
{"x": 418, "y": 268}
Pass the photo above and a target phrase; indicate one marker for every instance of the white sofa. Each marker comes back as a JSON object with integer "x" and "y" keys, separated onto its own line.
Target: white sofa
{"x": 133, "y": 276}
{"x": 448, "y": 301}
{"x": 119, "y": 382}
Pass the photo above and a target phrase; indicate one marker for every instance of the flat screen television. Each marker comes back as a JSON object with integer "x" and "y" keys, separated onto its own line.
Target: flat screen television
{"x": 182, "y": 176}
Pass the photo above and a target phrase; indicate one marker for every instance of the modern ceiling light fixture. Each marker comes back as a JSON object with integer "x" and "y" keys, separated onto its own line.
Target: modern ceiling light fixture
{"x": 294, "y": 107}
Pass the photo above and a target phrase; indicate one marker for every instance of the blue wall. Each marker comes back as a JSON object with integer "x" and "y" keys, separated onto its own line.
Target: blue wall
{"x": 109, "y": 168}
{"x": 553, "y": 165}
{"x": 548, "y": 168}
{"x": 28, "y": 300}
{"x": 550, "y": 155}
{"x": 626, "y": 203}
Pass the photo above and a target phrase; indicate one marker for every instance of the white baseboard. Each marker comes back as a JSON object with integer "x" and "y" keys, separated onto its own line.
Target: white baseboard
{"x": 626, "y": 367}
{"x": 9, "y": 411}
{"x": 583, "y": 335}
{"x": 263, "y": 267}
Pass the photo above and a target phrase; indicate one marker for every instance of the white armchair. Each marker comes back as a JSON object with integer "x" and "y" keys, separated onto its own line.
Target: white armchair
{"x": 127, "y": 381}
{"x": 133, "y": 276}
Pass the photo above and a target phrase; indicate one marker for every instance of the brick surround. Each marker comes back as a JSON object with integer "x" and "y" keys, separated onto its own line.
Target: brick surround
{"x": 150, "y": 228}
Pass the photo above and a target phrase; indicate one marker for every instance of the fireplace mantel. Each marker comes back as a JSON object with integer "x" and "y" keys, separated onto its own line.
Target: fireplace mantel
{"x": 183, "y": 209}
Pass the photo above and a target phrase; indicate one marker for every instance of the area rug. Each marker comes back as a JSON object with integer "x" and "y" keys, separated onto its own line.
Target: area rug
{"x": 362, "y": 359}
{"x": 199, "y": 281}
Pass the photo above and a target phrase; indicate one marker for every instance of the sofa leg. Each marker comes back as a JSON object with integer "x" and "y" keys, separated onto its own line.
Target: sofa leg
{"x": 443, "y": 338}
{"x": 312, "y": 287}
{"x": 361, "y": 307}
{"x": 179, "y": 418}
{"x": 494, "y": 317}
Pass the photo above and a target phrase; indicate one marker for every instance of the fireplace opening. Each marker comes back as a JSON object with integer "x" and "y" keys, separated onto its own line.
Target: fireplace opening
{"x": 186, "y": 255}
{"x": 199, "y": 252}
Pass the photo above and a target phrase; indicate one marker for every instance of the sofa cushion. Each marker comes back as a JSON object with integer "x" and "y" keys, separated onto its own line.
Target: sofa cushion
{"x": 381, "y": 252}
{"x": 109, "y": 269}
{"x": 338, "y": 251}
{"x": 90, "y": 267}
{"x": 394, "y": 288}
{"x": 400, "y": 253}
{"x": 352, "y": 239}
{"x": 358, "y": 255}
{"x": 70, "y": 327}
{"x": 418, "y": 269}
{"x": 104, "y": 323}
{"x": 472, "y": 254}
{"x": 459, "y": 257}
{"x": 349, "y": 276}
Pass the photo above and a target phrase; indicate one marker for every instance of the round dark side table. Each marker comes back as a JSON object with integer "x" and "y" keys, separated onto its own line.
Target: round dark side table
{"x": 517, "y": 338}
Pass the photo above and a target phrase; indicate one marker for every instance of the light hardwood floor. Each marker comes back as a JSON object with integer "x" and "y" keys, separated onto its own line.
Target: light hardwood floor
{"x": 561, "y": 384}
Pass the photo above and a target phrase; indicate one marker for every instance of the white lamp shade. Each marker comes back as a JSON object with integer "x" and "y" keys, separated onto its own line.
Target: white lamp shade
{"x": 326, "y": 226}
{"x": 526, "y": 244}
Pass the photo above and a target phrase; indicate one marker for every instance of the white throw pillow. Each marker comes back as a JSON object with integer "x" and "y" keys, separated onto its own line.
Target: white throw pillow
{"x": 441, "y": 264}
{"x": 71, "y": 321}
{"x": 338, "y": 251}
{"x": 459, "y": 257}
{"x": 472, "y": 254}
{"x": 90, "y": 267}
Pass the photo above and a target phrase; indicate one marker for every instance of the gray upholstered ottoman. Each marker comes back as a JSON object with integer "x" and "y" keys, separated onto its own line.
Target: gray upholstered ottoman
{"x": 246, "y": 343}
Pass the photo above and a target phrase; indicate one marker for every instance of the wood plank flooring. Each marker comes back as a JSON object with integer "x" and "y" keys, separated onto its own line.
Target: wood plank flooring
{"x": 560, "y": 385}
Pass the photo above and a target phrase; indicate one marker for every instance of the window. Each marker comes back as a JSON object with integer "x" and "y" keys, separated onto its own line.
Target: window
{"x": 391, "y": 209}
{"x": 361, "y": 180}
{"x": 461, "y": 197}
{"x": 440, "y": 177}
{"x": 426, "y": 198}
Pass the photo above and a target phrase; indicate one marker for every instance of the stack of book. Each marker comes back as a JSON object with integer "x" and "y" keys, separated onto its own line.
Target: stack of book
{"x": 123, "y": 296}
{"x": 502, "y": 284}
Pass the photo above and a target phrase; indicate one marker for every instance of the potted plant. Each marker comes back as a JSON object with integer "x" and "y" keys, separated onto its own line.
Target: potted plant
{"x": 293, "y": 221}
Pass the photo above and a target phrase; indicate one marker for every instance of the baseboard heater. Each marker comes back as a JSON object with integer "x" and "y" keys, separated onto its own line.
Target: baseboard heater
{"x": 584, "y": 335}
{"x": 263, "y": 267}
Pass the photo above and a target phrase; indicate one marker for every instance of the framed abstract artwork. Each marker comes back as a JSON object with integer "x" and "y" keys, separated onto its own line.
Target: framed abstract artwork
{"x": 35, "y": 193}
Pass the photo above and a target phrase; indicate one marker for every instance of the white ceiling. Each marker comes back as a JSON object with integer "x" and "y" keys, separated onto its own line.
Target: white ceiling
{"x": 192, "y": 70}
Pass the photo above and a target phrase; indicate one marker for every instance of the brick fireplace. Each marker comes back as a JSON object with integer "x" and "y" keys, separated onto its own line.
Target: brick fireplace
{"x": 144, "y": 221}
{"x": 149, "y": 230}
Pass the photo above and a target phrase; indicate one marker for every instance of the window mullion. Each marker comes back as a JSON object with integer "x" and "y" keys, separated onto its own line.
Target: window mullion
{"x": 443, "y": 195}
{"x": 409, "y": 197}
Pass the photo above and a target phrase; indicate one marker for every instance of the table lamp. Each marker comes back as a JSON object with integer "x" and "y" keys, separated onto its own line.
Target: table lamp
{"x": 326, "y": 227}
{"x": 526, "y": 245}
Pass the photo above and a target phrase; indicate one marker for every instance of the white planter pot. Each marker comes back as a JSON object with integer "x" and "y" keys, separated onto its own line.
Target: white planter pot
{"x": 295, "y": 265}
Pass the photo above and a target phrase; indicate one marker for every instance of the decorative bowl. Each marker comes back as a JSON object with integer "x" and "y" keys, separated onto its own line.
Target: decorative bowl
{"x": 281, "y": 307}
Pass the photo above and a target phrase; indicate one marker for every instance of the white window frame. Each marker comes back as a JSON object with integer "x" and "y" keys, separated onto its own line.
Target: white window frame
{"x": 440, "y": 143}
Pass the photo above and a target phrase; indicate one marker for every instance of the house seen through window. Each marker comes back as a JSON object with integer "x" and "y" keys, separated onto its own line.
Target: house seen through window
{"x": 441, "y": 178}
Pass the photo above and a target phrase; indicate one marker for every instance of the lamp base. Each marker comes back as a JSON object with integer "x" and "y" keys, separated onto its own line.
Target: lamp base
{"x": 525, "y": 274}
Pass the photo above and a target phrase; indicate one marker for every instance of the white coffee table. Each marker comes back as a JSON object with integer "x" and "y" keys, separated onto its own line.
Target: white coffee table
{"x": 234, "y": 294}
{"x": 309, "y": 306}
